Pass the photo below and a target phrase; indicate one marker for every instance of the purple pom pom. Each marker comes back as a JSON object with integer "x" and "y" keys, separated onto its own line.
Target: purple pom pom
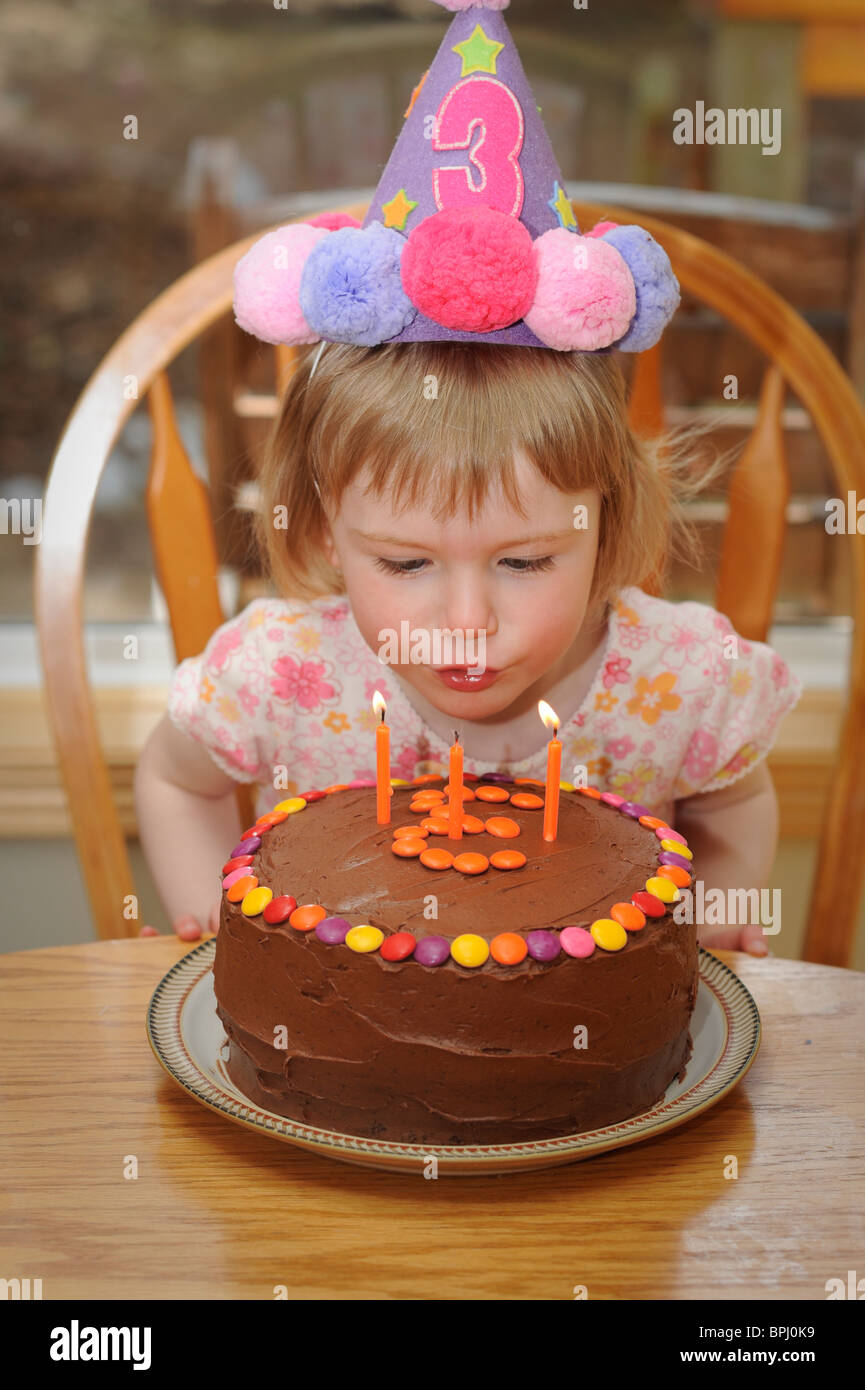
{"x": 656, "y": 285}
{"x": 467, "y": 4}
{"x": 351, "y": 290}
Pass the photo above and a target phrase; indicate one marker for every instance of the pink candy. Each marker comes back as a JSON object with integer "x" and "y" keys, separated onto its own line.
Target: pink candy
{"x": 576, "y": 941}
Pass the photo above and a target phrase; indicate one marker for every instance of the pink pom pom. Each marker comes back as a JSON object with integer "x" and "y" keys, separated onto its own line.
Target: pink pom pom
{"x": 334, "y": 220}
{"x": 470, "y": 268}
{"x": 266, "y": 282}
{"x": 585, "y": 297}
{"x": 467, "y": 4}
{"x": 601, "y": 227}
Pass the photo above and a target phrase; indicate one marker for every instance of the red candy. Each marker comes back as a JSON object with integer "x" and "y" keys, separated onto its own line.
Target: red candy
{"x": 311, "y": 796}
{"x": 279, "y": 910}
{"x": 241, "y": 862}
{"x": 648, "y": 903}
{"x": 397, "y": 947}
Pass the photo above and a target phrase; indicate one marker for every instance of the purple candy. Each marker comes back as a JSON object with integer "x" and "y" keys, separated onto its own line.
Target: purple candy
{"x": 246, "y": 846}
{"x": 362, "y": 782}
{"x": 496, "y": 777}
{"x": 612, "y": 798}
{"x": 543, "y": 945}
{"x": 663, "y": 834}
{"x": 432, "y": 950}
{"x": 665, "y": 857}
{"x": 333, "y": 930}
{"x": 633, "y": 808}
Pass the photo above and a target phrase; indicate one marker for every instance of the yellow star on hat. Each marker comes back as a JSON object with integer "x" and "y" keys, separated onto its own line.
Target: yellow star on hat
{"x": 397, "y": 210}
{"x": 478, "y": 52}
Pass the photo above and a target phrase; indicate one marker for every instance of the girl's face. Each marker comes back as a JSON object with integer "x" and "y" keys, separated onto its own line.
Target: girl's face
{"x": 522, "y": 581}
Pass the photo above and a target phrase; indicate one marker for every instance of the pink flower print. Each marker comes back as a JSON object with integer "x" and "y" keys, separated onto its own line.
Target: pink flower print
{"x": 404, "y": 764}
{"x": 702, "y": 756}
{"x": 370, "y": 687}
{"x": 780, "y": 673}
{"x": 247, "y": 699}
{"x": 652, "y": 698}
{"x": 740, "y": 761}
{"x": 302, "y": 683}
{"x": 233, "y": 753}
{"x": 648, "y": 746}
{"x": 616, "y": 670}
{"x": 634, "y": 637}
{"x": 224, "y": 643}
{"x": 621, "y": 747}
{"x": 684, "y": 644}
{"x": 332, "y": 620}
{"x": 722, "y": 623}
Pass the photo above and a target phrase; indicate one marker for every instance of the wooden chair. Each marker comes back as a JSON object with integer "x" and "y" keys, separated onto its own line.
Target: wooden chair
{"x": 185, "y": 556}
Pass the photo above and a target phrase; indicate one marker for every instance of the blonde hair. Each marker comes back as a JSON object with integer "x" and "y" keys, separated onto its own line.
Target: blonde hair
{"x": 438, "y": 424}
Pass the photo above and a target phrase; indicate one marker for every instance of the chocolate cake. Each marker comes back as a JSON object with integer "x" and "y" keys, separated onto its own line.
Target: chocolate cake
{"x": 340, "y": 981}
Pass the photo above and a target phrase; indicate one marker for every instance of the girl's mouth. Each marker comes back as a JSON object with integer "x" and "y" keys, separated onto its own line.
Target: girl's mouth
{"x": 458, "y": 678}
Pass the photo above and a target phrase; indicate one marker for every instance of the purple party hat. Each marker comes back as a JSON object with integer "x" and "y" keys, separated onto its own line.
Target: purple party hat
{"x": 470, "y": 236}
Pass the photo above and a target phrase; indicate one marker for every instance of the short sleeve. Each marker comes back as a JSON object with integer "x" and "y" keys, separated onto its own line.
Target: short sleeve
{"x": 751, "y": 690}
{"x": 219, "y": 697}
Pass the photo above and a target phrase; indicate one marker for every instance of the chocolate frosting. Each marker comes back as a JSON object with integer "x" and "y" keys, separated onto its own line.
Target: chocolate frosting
{"x": 448, "y": 1054}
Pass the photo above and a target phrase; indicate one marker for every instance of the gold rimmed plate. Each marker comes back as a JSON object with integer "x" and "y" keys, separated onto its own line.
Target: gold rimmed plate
{"x": 188, "y": 1040}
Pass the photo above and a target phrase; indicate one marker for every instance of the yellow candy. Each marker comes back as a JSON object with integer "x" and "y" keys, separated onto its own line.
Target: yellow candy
{"x": 364, "y": 938}
{"x": 567, "y": 787}
{"x": 470, "y": 949}
{"x": 663, "y": 889}
{"x": 609, "y": 934}
{"x": 675, "y": 848}
{"x": 294, "y": 803}
{"x": 256, "y": 901}
{"x": 399, "y": 781}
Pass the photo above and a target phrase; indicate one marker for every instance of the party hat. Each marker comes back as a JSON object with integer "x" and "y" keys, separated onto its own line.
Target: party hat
{"x": 470, "y": 236}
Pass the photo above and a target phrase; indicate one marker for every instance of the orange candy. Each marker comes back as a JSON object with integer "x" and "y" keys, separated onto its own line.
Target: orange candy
{"x": 473, "y": 825}
{"x": 508, "y": 859}
{"x": 593, "y": 792}
{"x": 676, "y": 874}
{"x": 508, "y": 948}
{"x": 468, "y": 794}
{"x": 503, "y": 827}
{"x": 272, "y": 818}
{"x": 427, "y": 777}
{"x": 241, "y": 887}
{"x": 527, "y": 801}
{"x": 427, "y": 799}
{"x": 337, "y": 787}
{"x": 415, "y": 831}
{"x": 435, "y": 825}
{"x": 528, "y": 782}
{"x": 408, "y": 846}
{"x": 654, "y": 823}
{"x": 628, "y": 916}
{"x": 306, "y": 917}
{"x": 437, "y": 858}
{"x": 471, "y": 863}
{"x": 491, "y": 794}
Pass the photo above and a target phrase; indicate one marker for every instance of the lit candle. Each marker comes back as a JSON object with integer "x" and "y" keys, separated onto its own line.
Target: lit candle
{"x": 382, "y": 763}
{"x": 455, "y": 791}
{"x": 554, "y": 771}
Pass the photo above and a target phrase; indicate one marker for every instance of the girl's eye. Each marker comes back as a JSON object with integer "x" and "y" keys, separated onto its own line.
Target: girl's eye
{"x": 518, "y": 565}
{"x": 398, "y": 566}
{"x": 526, "y": 565}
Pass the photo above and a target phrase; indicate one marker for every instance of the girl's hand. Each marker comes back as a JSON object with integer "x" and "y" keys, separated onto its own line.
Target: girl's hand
{"x": 749, "y": 938}
{"x": 188, "y": 928}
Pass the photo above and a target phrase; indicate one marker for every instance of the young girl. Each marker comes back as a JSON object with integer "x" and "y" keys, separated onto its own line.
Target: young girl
{"x": 482, "y": 488}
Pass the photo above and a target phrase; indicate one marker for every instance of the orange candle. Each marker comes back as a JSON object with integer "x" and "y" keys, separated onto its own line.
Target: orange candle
{"x": 382, "y": 763}
{"x": 554, "y": 771}
{"x": 455, "y": 791}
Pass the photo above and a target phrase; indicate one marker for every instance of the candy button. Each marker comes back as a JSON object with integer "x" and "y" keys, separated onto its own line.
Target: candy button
{"x": 677, "y": 847}
{"x": 398, "y": 947}
{"x": 279, "y": 909}
{"x": 332, "y": 930}
{"x": 469, "y": 863}
{"x": 314, "y": 795}
{"x": 248, "y": 846}
{"x": 467, "y": 793}
{"x": 508, "y": 859}
{"x": 306, "y": 917}
{"x": 503, "y": 827}
{"x": 361, "y": 782}
{"x": 679, "y": 860}
{"x": 527, "y": 801}
{"x": 413, "y": 832}
{"x": 256, "y": 901}
{"x": 648, "y": 903}
{"x": 610, "y": 935}
{"x": 496, "y": 777}
{"x": 592, "y": 792}
{"x": 271, "y": 819}
{"x": 567, "y": 787}
{"x": 662, "y": 888}
{"x": 675, "y": 874}
{"x": 528, "y": 782}
{"x": 633, "y": 808}
{"x": 472, "y": 825}
{"x": 427, "y": 777}
{"x": 663, "y": 832}
{"x": 654, "y": 823}
{"x": 612, "y": 798}
{"x": 437, "y": 858}
{"x": 242, "y": 861}
{"x": 428, "y": 799}
{"x": 432, "y": 950}
{"x": 470, "y": 949}
{"x": 240, "y": 887}
{"x": 576, "y": 941}
{"x": 543, "y": 945}
{"x": 364, "y": 938}
{"x": 337, "y": 787}
{"x": 399, "y": 782}
{"x": 408, "y": 846}
{"x": 435, "y": 825}
{"x": 508, "y": 948}
{"x": 425, "y": 808}
{"x": 632, "y": 918}
{"x": 291, "y": 805}
{"x": 255, "y": 830}
{"x": 485, "y": 793}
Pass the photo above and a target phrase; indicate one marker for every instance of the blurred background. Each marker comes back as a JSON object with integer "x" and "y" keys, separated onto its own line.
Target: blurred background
{"x": 253, "y": 111}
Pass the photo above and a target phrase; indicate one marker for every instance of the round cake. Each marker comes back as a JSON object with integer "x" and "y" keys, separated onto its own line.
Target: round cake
{"x": 388, "y": 982}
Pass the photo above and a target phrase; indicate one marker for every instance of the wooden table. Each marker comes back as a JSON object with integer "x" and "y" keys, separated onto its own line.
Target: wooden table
{"x": 218, "y": 1212}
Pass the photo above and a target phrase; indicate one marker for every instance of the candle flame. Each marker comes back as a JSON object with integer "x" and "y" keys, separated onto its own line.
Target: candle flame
{"x": 549, "y": 716}
{"x": 379, "y": 703}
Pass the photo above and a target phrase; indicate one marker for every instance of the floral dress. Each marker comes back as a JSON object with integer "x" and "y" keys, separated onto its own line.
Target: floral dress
{"x": 679, "y": 704}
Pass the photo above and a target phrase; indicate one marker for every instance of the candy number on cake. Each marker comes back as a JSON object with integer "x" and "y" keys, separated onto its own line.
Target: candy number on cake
{"x": 480, "y": 103}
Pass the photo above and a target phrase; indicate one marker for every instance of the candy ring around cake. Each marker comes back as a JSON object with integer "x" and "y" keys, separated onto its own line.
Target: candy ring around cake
{"x": 189, "y": 1043}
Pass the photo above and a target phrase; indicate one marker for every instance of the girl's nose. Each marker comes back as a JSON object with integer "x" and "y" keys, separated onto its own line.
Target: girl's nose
{"x": 468, "y": 604}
